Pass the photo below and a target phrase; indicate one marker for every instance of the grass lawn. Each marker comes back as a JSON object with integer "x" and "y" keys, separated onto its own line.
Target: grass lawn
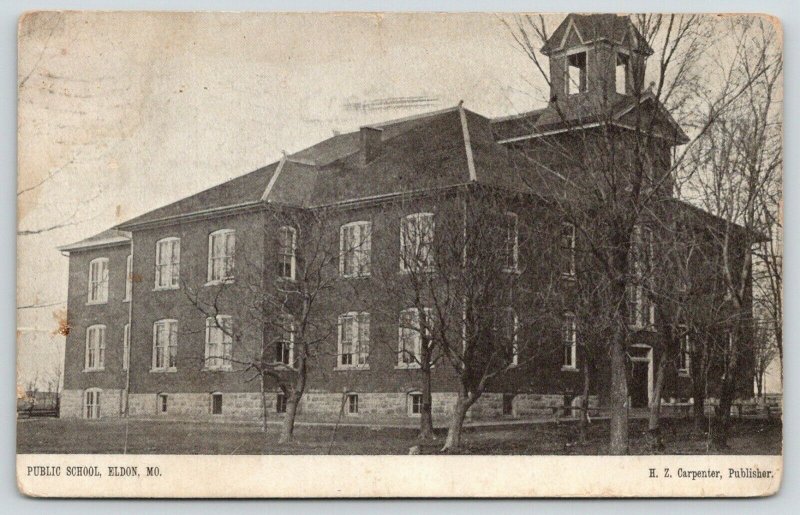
{"x": 40, "y": 435}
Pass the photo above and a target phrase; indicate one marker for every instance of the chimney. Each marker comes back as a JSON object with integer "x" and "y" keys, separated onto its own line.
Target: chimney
{"x": 370, "y": 143}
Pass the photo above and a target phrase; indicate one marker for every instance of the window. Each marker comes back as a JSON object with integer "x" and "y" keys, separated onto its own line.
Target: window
{"x": 221, "y": 249}
{"x": 575, "y": 76}
{"x": 352, "y": 403}
{"x": 511, "y": 246}
{"x": 414, "y": 404}
{"x": 647, "y": 252}
{"x": 165, "y": 345}
{"x": 287, "y": 244}
{"x": 353, "y": 340}
{"x": 91, "y": 403}
{"x": 126, "y": 346}
{"x": 216, "y": 404}
{"x": 280, "y": 403}
{"x": 568, "y": 249}
{"x": 416, "y": 243}
{"x": 355, "y": 242}
{"x": 410, "y": 338}
{"x": 168, "y": 263}
{"x": 128, "y": 278}
{"x": 508, "y": 326}
{"x": 634, "y": 294}
{"x": 685, "y": 357}
{"x": 98, "y": 281}
{"x": 570, "y": 342}
{"x": 284, "y": 349}
{"x": 95, "y": 347}
{"x": 508, "y": 404}
{"x": 219, "y": 342}
{"x": 161, "y": 403}
{"x": 621, "y": 75}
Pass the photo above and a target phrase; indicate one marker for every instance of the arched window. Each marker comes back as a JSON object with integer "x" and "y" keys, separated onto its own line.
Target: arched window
{"x": 355, "y": 242}
{"x": 219, "y": 342}
{"x": 98, "y": 281}
{"x": 168, "y": 263}
{"x": 165, "y": 345}
{"x": 91, "y": 403}
{"x": 416, "y": 243}
{"x": 221, "y": 252}
{"x": 287, "y": 245}
{"x": 95, "y": 348}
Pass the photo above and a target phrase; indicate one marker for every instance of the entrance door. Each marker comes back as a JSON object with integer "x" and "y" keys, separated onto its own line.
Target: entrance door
{"x": 638, "y": 387}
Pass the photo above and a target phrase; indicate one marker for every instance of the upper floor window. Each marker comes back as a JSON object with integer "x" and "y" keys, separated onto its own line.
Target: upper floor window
{"x": 126, "y": 346}
{"x": 409, "y": 350}
{"x": 95, "y": 348}
{"x": 685, "y": 356}
{"x": 511, "y": 244}
{"x": 219, "y": 342}
{"x": 634, "y": 295}
{"x": 621, "y": 73}
{"x": 284, "y": 349}
{"x": 568, "y": 249}
{"x": 165, "y": 345}
{"x": 353, "y": 339}
{"x": 98, "y": 281}
{"x": 287, "y": 245}
{"x": 168, "y": 263}
{"x": 355, "y": 243}
{"x": 575, "y": 74}
{"x": 128, "y": 278}
{"x": 570, "y": 341}
{"x": 416, "y": 242}
{"x": 221, "y": 250}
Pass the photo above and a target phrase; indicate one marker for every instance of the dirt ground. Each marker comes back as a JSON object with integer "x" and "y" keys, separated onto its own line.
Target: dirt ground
{"x": 748, "y": 436}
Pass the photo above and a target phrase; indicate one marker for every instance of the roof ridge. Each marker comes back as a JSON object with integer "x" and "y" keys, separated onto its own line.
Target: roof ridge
{"x": 410, "y": 118}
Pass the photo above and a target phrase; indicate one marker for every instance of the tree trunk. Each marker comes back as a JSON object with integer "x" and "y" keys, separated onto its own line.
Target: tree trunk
{"x": 426, "y": 410}
{"x": 453, "y": 441}
{"x": 263, "y": 404}
{"x": 618, "y": 443}
{"x": 654, "y": 423}
{"x": 583, "y": 425}
{"x": 287, "y": 429}
{"x": 759, "y": 383}
{"x": 722, "y": 415}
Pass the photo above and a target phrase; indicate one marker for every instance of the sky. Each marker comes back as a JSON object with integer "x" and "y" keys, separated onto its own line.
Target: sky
{"x": 122, "y": 113}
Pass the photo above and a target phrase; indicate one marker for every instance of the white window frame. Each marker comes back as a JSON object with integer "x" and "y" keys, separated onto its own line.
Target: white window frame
{"x": 215, "y": 329}
{"x": 165, "y": 352}
{"x": 95, "y": 352}
{"x": 98, "y": 281}
{"x": 634, "y": 298}
{"x": 286, "y": 327}
{"x": 414, "y": 334}
{"x": 351, "y": 404}
{"x": 569, "y": 249}
{"x": 359, "y": 341}
{"x": 128, "y": 278}
{"x": 91, "y": 410}
{"x": 126, "y": 347}
{"x": 685, "y": 352}
{"x": 410, "y": 402}
{"x": 511, "y": 250}
{"x": 168, "y": 267}
{"x": 569, "y": 339}
{"x": 289, "y": 253}
{"x": 228, "y": 260}
{"x": 355, "y": 254}
{"x": 414, "y": 242}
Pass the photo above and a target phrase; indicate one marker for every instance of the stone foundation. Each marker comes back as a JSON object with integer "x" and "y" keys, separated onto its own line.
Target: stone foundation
{"x": 112, "y": 404}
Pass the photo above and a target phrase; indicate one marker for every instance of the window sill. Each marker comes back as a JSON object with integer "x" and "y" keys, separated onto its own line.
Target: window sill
{"x": 96, "y": 302}
{"x": 569, "y": 276}
{"x": 163, "y": 370}
{"x": 126, "y": 300}
{"x": 100, "y": 369}
{"x": 408, "y": 366}
{"x": 341, "y": 368}
{"x": 515, "y": 270}
{"x": 214, "y": 369}
{"x": 217, "y": 282}
{"x": 566, "y": 368}
{"x": 287, "y": 279}
{"x": 684, "y": 373}
{"x": 166, "y": 288}
{"x": 355, "y": 276}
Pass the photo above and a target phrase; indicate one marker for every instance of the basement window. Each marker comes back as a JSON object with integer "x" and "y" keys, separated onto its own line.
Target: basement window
{"x": 414, "y": 404}
{"x": 352, "y": 404}
{"x": 161, "y": 404}
{"x": 216, "y": 404}
{"x": 280, "y": 403}
{"x": 621, "y": 73}
{"x": 575, "y": 76}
